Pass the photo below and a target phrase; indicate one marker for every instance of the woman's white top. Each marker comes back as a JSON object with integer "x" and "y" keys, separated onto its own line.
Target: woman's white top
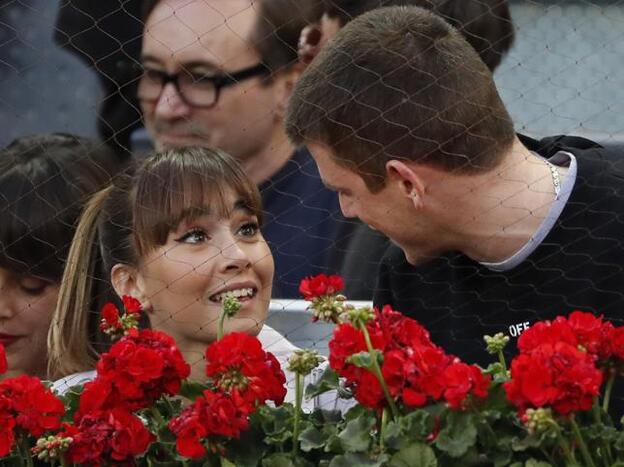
{"x": 272, "y": 341}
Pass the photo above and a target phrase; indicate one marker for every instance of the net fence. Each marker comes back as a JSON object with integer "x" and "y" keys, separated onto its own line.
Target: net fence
{"x": 76, "y": 67}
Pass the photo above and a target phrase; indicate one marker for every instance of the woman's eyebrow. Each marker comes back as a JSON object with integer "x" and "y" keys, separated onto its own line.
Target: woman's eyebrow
{"x": 242, "y": 205}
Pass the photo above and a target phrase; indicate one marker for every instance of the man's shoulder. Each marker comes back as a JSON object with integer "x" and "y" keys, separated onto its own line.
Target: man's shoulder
{"x": 604, "y": 157}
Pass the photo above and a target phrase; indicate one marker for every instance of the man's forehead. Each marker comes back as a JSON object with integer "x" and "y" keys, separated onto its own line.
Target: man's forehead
{"x": 194, "y": 29}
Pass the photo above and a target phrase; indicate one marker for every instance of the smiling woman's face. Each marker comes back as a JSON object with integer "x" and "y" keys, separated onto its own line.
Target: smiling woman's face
{"x": 26, "y": 307}
{"x": 184, "y": 279}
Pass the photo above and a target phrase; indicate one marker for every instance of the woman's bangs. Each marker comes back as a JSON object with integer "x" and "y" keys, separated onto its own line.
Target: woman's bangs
{"x": 177, "y": 191}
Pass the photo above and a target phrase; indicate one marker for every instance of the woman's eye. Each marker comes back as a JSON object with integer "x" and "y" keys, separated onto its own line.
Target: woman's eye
{"x": 193, "y": 237}
{"x": 249, "y": 229}
{"x": 33, "y": 285}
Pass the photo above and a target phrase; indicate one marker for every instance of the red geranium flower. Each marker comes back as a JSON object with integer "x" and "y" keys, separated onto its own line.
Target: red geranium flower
{"x": 214, "y": 415}
{"x": 556, "y": 375}
{"x": 462, "y": 380}
{"x": 320, "y": 285}
{"x": 136, "y": 371}
{"x": 616, "y": 342}
{"x": 36, "y": 409}
{"x": 110, "y": 319}
{"x": 3, "y": 360}
{"x": 546, "y": 332}
{"x": 237, "y": 363}
{"x": 591, "y": 332}
{"x": 131, "y": 305}
{"x": 116, "y": 435}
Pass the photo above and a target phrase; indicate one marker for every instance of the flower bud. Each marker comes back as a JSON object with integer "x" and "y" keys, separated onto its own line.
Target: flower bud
{"x": 304, "y": 361}
{"x": 496, "y": 343}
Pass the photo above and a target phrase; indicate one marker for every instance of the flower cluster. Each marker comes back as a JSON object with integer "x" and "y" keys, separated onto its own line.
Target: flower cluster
{"x": 238, "y": 364}
{"x": 415, "y": 370}
{"x": 243, "y": 376}
{"x": 557, "y": 365}
{"x": 26, "y": 404}
{"x": 116, "y": 434}
{"x": 212, "y": 415}
{"x": 323, "y": 292}
{"x": 117, "y": 324}
{"x": 135, "y": 372}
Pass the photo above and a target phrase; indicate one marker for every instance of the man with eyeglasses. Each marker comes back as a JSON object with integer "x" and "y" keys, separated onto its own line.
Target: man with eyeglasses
{"x": 219, "y": 73}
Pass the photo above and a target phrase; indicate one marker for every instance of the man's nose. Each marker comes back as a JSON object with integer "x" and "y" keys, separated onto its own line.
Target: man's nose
{"x": 170, "y": 105}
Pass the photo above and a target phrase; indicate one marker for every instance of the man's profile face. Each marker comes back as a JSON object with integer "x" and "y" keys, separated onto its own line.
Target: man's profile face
{"x": 207, "y": 37}
{"x": 388, "y": 210}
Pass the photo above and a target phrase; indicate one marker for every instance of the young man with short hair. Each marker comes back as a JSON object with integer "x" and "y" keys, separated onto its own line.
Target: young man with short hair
{"x": 404, "y": 121}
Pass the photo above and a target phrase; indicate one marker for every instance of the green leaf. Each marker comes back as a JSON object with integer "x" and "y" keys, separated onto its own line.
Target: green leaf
{"x": 226, "y": 463}
{"x": 415, "y": 454}
{"x": 248, "y": 449}
{"x": 357, "y": 460}
{"x": 536, "y": 463}
{"x": 416, "y": 425}
{"x": 327, "y": 382}
{"x": 311, "y": 438}
{"x": 278, "y": 460}
{"x": 322, "y": 417}
{"x": 458, "y": 435}
{"x": 364, "y": 359}
{"x": 192, "y": 389}
{"x": 356, "y": 436}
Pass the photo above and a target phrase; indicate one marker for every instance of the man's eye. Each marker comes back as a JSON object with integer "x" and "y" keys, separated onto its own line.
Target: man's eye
{"x": 249, "y": 229}
{"x": 152, "y": 75}
{"x": 193, "y": 237}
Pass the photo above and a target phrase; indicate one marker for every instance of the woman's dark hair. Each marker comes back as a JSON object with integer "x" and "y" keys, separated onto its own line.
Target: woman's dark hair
{"x": 45, "y": 180}
{"x": 124, "y": 222}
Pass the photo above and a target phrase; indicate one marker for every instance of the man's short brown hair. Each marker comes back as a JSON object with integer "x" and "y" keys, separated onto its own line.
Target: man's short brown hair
{"x": 400, "y": 83}
{"x": 276, "y": 32}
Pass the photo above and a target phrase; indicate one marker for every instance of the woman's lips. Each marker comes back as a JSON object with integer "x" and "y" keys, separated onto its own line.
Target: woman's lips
{"x": 8, "y": 339}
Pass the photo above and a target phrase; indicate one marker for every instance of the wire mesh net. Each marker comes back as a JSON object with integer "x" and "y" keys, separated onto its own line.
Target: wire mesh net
{"x": 219, "y": 73}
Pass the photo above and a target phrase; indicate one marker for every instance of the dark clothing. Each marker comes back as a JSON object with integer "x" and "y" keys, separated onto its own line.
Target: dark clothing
{"x": 579, "y": 265}
{"x": 301, "y": 219}
{"x": 106, "y": 35}
{"x": 358, "y": 253}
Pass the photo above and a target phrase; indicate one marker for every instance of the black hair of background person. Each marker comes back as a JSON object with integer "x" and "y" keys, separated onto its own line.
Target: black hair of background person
{"x": 106, "y": 36}
{"x": 45, "y": 180}
{"x": 486, "y": 24}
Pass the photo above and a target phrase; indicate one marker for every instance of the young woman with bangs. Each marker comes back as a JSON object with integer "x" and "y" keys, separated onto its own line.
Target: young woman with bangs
{"x": 45, "y": 180}
{"x": 178, "y": 235}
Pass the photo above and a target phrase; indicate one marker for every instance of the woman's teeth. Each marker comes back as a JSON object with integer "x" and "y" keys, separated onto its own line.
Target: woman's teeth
{"x": 236, "y": 293}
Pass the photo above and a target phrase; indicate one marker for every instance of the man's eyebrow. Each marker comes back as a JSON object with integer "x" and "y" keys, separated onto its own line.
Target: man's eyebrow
{"x": 187, "y": 65}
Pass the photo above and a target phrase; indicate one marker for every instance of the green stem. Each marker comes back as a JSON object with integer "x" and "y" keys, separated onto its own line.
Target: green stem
{"x": 221, "y": 325}
{"x": 607, "y": 458}
{"x": 501, "y": 359}
{"x": 584, "y": 451}
{"x": 607, "y": 396}
{"x": 564, "y": 446}
{"x": 378, "y": 374}
{"x": 25, "y": 451}
{"x": 158, "y": 417}
{"x": 298, "y": 400}
{"x": 382, "y": 430}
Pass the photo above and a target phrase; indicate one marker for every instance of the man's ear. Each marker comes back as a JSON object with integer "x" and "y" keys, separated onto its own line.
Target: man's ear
{"x": 408, "y": 180}
{"x": 126, "y": 280}
{"x": 284, "y": 84}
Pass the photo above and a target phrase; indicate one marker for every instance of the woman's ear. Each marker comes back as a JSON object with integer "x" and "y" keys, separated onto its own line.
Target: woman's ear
{"x": 408, "y": 180}
{"x": 126, "y": 280}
